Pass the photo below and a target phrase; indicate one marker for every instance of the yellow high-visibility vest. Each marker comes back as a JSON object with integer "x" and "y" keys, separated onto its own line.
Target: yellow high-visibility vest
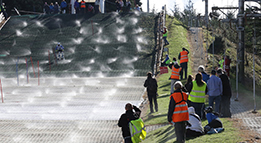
{"x": 137, "y": 130}
{"x": 197, "y": 93}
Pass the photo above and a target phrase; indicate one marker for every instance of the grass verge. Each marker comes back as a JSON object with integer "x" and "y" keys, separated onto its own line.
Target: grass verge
{"x": 178, "y": 39}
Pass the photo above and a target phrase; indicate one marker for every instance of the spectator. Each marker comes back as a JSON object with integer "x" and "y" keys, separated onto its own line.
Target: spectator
{"x": 178, "y": 112}
{"x": 83, "y": 7}
{"x": 165, "y": 34}
{"x": 51, "y": 8}
{"x": 128, "y": 5}
{"x": 118, "y": 6}
{"x": 90, "y": 9}
{"x": 226, "y": 94}
{"x": 221, "y": 63}
{"x": 227, "y": 65}
{"x": 183, "y": 57}
{"x": 176, "y": 69}
{"x": 205, "y": 76}
{"x": 3, "y": 9}
{"x": 97, "y": 6}
{"x": 125, "y": 118}
{"x": 121, "y": 4}
{"x": 63, "y": 6}
{"x": 188, "y": 85}
{"x": 215, "y": 90}
{"x": 166, "y": 62}
{"x": 196, "y": 97}
{"x": 152, "y": 87}
{"x": 76, "y": 6}
{"x": 213, "y": 120}
{"x": 194, "y": 127}
{"x": 46, "y": 8}
{"x": 137, "y": 8}
{"x": 56, "y": 8}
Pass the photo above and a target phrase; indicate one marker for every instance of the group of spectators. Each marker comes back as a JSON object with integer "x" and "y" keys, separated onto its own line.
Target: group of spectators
{"x": 55, "y": 8}
{"x": 80, "y": 7}
{"x": 187, "y": 103}
{"x": 125, "y": 6}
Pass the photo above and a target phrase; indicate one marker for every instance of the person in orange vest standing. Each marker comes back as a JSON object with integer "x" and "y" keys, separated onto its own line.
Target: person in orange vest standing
{"x": 183, "y": 61}
{"x": 175, "y": 73}
{"x": 83, "y": 7}
{"x": 178, "y": 112}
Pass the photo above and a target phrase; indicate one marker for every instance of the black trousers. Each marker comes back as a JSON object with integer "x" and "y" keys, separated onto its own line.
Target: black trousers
{"x": 185, "y": 69}
{"x": 153, "y": 98}
{"x": 180, "y": 130}
{"x": 225, "y": 106}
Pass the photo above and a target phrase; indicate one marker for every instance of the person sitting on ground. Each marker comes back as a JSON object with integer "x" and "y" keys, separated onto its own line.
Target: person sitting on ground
{"x": 194, "y": 127}
{"x": 166, "y": 62}
{"x": 125, "y": 118}
{"x": 214, "y": 123}
{"x": 59, "y": 52}
{"x": 205, "y": 76}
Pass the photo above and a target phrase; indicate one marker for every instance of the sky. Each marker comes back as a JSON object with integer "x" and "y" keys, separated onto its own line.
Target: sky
{"x": 199, "y": 5}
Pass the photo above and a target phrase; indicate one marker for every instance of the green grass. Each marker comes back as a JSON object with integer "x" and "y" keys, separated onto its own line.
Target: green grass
{"x": 178, "y": 38}
{"x": 166, "y": 134}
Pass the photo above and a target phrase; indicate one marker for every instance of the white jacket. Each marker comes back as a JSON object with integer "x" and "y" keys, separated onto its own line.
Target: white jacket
{"x": 194, "y": 120}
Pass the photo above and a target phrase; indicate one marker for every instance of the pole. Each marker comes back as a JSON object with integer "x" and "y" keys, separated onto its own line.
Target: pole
{"x": 206, "y": 19}
{"x": 241, "y": 42}
{"x": 148, "y": 6}
{"x": 33, "y": 66}
{"x": 2, "y": 96}
{"x": 17, "y": 71}
{"x": 254, "y": 78}
{"x": 49, "y": 61}
{"x": 92, "y": 28}
{"x": 27, "y": 77}
{"x": 38, "y": 73}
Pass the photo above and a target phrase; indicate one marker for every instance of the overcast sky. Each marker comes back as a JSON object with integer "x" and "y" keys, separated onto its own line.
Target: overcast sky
{"x": 199, "y": 5}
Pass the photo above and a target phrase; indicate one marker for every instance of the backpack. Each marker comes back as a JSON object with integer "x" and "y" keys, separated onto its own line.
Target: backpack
{"x": 137, "y": 130}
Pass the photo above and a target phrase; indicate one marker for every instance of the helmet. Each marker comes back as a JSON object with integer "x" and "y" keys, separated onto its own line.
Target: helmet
{"x": 209, "y": 109}
{"x": 59, "y": 43}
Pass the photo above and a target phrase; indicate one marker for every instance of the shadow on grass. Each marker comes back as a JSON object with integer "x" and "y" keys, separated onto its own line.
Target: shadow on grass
{"x": 150, "y": 117}
{"x": 168, "y": 134}
{"x": 165, "y": 85}
{"x": 163, "y": 96}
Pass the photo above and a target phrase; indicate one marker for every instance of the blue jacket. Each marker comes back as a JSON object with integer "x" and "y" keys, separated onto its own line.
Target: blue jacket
{"x": 63, "y": 4}
{"x": 205, "y": 77}
{"x": 211, "y": 116}
{"x": 214, "y": 86}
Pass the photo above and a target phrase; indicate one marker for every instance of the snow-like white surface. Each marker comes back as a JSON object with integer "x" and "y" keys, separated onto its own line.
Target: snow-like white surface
{"x": 69, "y": 98}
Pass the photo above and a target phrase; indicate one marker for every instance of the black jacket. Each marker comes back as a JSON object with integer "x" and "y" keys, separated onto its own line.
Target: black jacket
{"x": 151, "y": 84}
{"x": 226, "y": 85}
{"x": 126, "y": 118}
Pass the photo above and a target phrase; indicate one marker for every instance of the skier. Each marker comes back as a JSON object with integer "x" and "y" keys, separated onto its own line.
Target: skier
{"x": 59, "y": 52}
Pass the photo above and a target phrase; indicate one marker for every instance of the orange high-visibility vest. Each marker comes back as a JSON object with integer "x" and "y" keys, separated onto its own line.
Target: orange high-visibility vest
{"x": 175, "y": 73}
{"x": 183, "y": 57}
{"x": 83, "y": 4}
{"x": 181, "y": 109}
